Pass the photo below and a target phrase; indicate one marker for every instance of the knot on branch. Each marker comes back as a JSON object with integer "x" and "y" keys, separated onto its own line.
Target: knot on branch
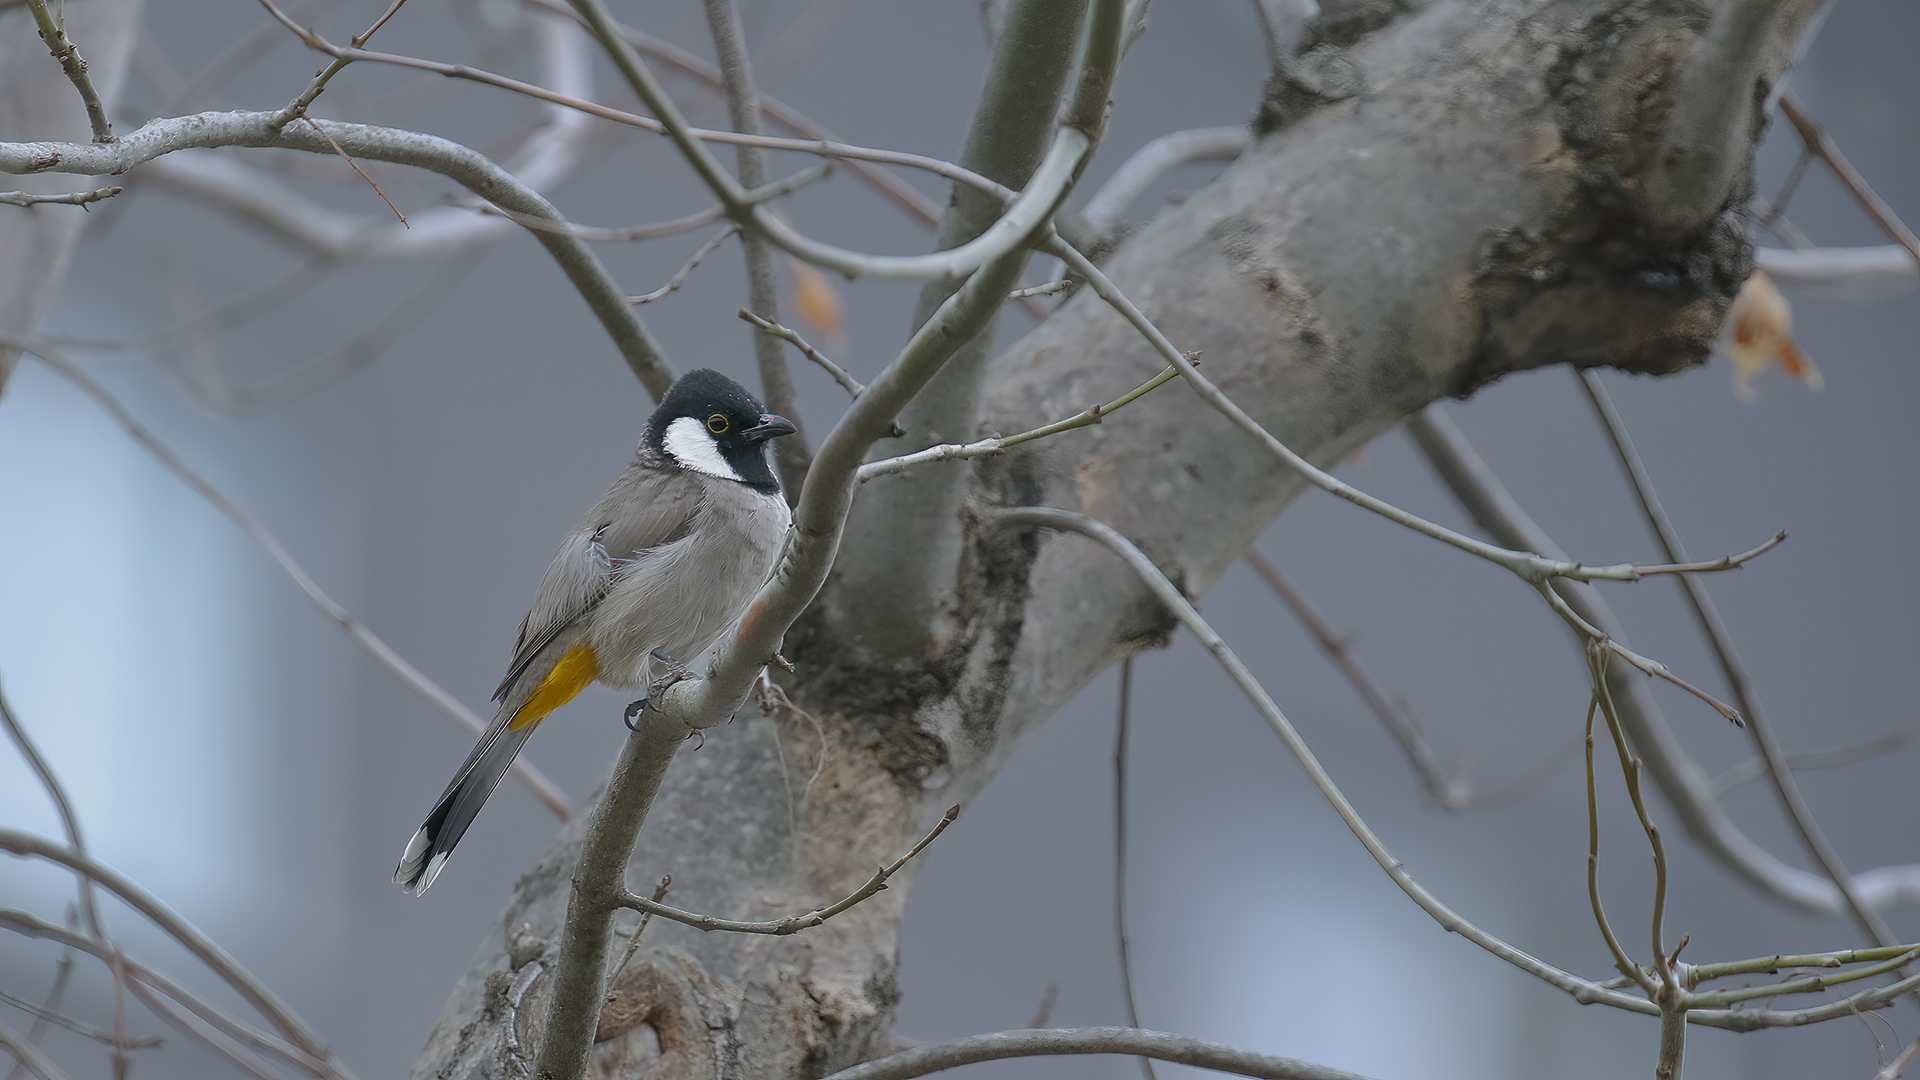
{"x": 1606, "y": 258}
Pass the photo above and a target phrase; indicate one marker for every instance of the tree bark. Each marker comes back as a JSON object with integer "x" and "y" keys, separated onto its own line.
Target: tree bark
{"x": 1465, "y": 202}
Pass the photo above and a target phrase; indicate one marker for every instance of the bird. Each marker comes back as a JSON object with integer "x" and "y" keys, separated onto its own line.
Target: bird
{"x": 666, "y": 561}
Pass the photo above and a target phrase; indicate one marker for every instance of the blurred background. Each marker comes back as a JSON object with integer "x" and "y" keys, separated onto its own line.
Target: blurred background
{"x": 230, "y": 749}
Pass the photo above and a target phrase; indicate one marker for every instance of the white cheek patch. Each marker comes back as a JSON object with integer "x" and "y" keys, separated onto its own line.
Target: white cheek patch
{"x": 690, "y": 445}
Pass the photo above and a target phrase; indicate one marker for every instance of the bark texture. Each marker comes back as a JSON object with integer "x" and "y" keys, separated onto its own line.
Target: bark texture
{"x": 1465, "y": 201}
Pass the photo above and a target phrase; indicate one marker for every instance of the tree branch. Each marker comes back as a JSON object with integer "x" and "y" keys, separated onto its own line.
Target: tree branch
{"x": 54, "y": 33}
{"x": 458, "y": 163}
{"x": 792, "y": 454}
{"x": 1487, "y": 501}
{"x": 1049, "y": 1042}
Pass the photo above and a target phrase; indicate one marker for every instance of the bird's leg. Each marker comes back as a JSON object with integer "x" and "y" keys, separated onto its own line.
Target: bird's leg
{"x": 676, "y": 672}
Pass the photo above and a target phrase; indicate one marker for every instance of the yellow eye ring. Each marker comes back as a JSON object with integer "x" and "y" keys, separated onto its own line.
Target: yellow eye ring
{"x": 718, "y": 423}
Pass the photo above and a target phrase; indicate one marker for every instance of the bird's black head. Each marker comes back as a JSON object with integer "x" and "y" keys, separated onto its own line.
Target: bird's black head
{"x": 712, "y": 425}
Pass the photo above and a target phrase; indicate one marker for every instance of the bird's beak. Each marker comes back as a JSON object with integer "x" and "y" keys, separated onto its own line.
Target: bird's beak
{"x": 770, "y": 427}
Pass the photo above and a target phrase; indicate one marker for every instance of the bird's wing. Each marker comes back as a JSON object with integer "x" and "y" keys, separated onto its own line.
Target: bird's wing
{"x": 647, "y": 506}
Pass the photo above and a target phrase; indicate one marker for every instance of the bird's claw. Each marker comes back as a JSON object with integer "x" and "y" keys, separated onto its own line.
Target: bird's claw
{"x": 634, "y": 709}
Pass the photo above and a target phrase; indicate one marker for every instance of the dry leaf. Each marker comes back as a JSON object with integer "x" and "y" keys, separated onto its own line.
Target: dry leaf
{"x": 816, "y": 300}
{"x": 1760, "y": 328}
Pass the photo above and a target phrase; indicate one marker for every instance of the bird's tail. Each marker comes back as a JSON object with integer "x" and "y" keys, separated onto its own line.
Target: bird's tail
{"x": 448, "y": 820}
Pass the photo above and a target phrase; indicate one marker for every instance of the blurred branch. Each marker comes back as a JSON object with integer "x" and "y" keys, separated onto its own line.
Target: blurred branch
{"x": 1149, "y": 163}
{"x": 1755, "y": 768}
{"x": 793, "y": 454}
{"x": 256, "y": 994}
{"x": 1010, "y": 232}
{"x": 792, "y": 924}
{"x": 916, "y": 205}
{"x": 78, "y": 1027}
{"x": 53, "y": 32}
{"x": 1453, "y": 793}
{"x": 383, "y": 654}
{"x": 1123, "y": 942}
{"x": 1839, "y": 267}
{"x": 62, "y": 805}
{"x": 183, "y": 1010}
{"x": 711, "y": 214}
{"x": 28, "y": 1055}
{"x": 1687, "y": 789}
{"x": 1051, "y": 1042}
{"x": 1817, "y": 140}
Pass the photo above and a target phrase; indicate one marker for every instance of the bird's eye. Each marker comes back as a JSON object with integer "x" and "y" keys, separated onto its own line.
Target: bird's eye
{"x": 718, "y": 423}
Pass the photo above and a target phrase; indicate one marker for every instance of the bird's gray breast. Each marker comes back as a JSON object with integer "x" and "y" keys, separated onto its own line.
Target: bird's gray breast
{"x": 681, "y": 595}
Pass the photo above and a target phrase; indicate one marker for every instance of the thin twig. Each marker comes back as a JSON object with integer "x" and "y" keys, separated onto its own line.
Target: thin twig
{"x": 548, "y": 793}
{"x": 1122, "y": 942}
{"x": 711, "y": 214}
{"x": 1035, "y": 205}
{"x": 633, "y": 942}
{"x": 54, "y": 33}
{"x": 792, "y": 337}
{"x": 792, "y": 924}
{"x": 63, "y": 970}
{"x": 1581, "y": 990}
{"x": 1489, "y": 503}
{"x": 355, "y": 166}
{"x": 1720, "y": 640}
{"x": 1048, "y": 1042}
{"x": 1525, "y": 565}
{"x": 1818, "y": 141}
{"x": 1621, "y": 961}
{"x": 392, "y": 10}
{"x": 71, "y": 198}
{"x": 364, "y": 348}
{"x": 922, "y": 209}
{"x": 1093, "y": 414}
{"x": 78, "y": 1027}
{"x": 686, "y": 270}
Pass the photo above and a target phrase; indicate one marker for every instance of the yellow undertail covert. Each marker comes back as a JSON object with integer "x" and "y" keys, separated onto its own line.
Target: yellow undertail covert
{"x": 577, "y": 667}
